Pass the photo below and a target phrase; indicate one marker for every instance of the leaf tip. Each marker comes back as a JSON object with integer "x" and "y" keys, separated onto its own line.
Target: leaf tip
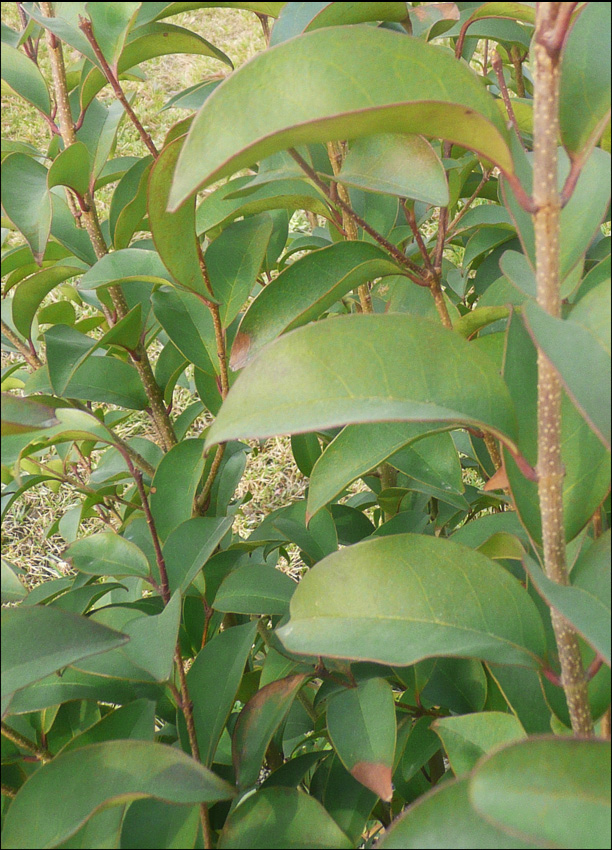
{"x": 376, "y": 777}
{"x": 240, "y": 351}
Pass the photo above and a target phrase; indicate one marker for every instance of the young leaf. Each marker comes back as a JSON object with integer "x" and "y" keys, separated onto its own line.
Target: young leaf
{"x": 445, "y": 600}
{"x": 413, "y": 374}
{"x": 105, "y": 774}
{"x": 224, "y": 138}
{"x": 361, "y": 725}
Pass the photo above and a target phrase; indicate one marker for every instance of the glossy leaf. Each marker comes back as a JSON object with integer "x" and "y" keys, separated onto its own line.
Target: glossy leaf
{"x": 22, "y": 415}
{"x": 134, "y": 720}
{"x": 38, "y": 640}
{"x": 260, "y": 589}
{"x": 466, "y": 739}
{"x": 153, "y": 640}
{"x": 129, "y": 203}
{"x": 111, "y": 23}
{"x": 147, "y": 42}
{"x": 587, "y": 610}
{"x": 105, "y": 553}
{"x": 403, "y": 165}
{"x": 279, "y": 818}
{"x": 174, "y": 234}
{"x": 512, "y": 786}
{"x": 26, "y": 200}
{"x": 305, "y": 290}
{"x": 189, "y": 547}
{"x": 311, "y": 392}
{"x": 102, "y": 774}
{"x": 71, "y": 168}
{"x": 214, "y": 697}
{"x": 446, "y": 600}
{"x": 586, "y": 461}
{"x": 584, "y": 96}
{"x": 30, "y": 293}
{"x": 580, "y": 346}
{"x": 126, "y": 265}
{"x": 234, "y": 259}
{"x": 223, "y": 137}
{"x": 188, "y": 322}
{"x": 24, "y": 77}
{"x": 361, "y": 725}
{"x": 174, "y": 485}
{"x": 256, "y": 724}
{"x": 446, "y": 818}
{"x": 149, "y": 822}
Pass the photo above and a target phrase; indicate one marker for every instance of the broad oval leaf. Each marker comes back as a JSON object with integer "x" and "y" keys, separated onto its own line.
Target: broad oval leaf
{"x": 280, "y": 818}
{"x": 244, "y": 121}
{"x": 364, "y": 368}
{"x": 38, "y": 640}
{"x": 446, "y": 818}
{"x": 513, "y": 786}
{"x": 402, "y": 598}
{"x": 24, "y": 77}
{"x": 190, "y": 546}
{"x": 26, "y": 200}
{"x": 361, "y": 725}
{"x": 107, "y": 554}
{"x": 71, "y": 168}
{"x": 255, "y": 589}
{"x": 467, "y": 738}
{"x": 305, "y": 290}
{"x": 104, "y": 774}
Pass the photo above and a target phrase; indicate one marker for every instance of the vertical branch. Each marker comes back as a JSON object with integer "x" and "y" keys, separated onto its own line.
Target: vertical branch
{"x": 140, "y": 359}
{"x": 547, "y": 228}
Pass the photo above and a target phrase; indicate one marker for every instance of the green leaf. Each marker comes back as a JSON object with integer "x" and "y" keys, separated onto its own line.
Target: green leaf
{"x": 255, "y": 589}
{"x": 459, "y": 684}
{"x": 135, "y": 720}
{"x": 584, "y": 95}
{"x": 409, "y": 369}
{"x": 214, "y": 696}
{"x": 71, "y": 168}
{"x": 39, "y": 640}
{"x": 72, "y": 238}
{"x": 129, "y": 203}
{"x": 356, "y": 450}
{"x": 103, "y": 379}
{"x": 433, "y": 467}
{"x": 155, "y": 11}
{"x": 147, "y": 42}
{"x": 22, "y": 415}
{"x": 153, "y": 639}
{"x": 12, "y": 589}
{"x": 66, "y": 350}
{"x": 420, "y": 747}
{"x": 513, "y": 786}
{"x": 174, "y": 485}
{"x": 107, "y": 554}
{"x": 467, "y": 738}
{"x": 579, "y": 346}
{"x": 150, "y": 822}
{"x": 233, "y": 261}
{"x": 306, "y": 450}
{"x": 189, "y": 547}
{"x": 256, "y": 724}
{"x": 188, "y": 322}
{"x": 111, "y": 23}
{"x": 279, "y": 818}
{"x": 31, "y": 292}
{"x": 108, "y": 773}
{"x": 348, "y": 802}
{"x": 24, "y": 77}
{"x": 305, "y": 290}
{"x": 446, "y": 600}
{"x": 446, "y": 818}
{"x": 587, "y": 463}
{"x": 403, "y": 165}
{"x": 174, "y": 234}
{"x": 296, "y": 18}
{"x": 224, "y": 138}
{"x": 361, "y": 725}
{"x": 26, "y": 200}
{"x": 586, "y": 609}
{"x": 128, "y": 264}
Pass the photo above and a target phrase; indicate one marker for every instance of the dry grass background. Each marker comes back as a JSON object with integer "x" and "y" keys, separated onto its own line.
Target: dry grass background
{"x": 271, "y": 475}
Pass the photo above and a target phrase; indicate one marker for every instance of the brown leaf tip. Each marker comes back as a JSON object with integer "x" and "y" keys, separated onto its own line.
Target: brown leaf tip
{"x": 240, "y": 351}
{"x": 376, "y": 777}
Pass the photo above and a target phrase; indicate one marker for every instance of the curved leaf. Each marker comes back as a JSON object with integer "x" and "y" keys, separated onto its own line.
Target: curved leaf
{"x": 26, "y": 200}
{"x": 102, "y": 774}
{"x": 305, "y": 290}
{"x": 513, "y": 786}
{"x": 71, "y": 168}
{"x": 364, "y": 368}
{"x": 23, "y": 76}
{"x": 20, "y": 415}
{"x": 398, "y": 599}
{"x": 107, "y": 554}
{"x": 296, "y": 18}
{"x": 427, "y": 93}
{"x": 255, "y": 589}
{"x": 469, "y": 737}
{"x": 174, "y": 485}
